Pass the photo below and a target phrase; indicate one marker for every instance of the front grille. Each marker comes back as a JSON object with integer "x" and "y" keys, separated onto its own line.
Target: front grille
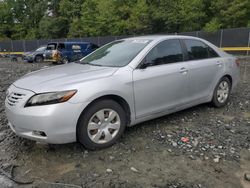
{"x": 13, "y": 98}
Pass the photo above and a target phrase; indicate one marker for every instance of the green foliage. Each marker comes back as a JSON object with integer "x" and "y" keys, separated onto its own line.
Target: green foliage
{"x": 29, "y": 19}
{"x": 50, "y": 27}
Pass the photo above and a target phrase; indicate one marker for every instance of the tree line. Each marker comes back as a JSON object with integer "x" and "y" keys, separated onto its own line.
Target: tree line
{"x": 35, "y": 19}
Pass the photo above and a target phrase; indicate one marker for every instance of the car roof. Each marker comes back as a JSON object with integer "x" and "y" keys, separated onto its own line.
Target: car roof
{"x": 70, "y": 42}
{"x": 160, "y": 37}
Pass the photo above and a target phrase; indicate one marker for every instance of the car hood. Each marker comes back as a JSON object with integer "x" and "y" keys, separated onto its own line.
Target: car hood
{"x": 31, "y": 53}
{"x": 62, "y": 77}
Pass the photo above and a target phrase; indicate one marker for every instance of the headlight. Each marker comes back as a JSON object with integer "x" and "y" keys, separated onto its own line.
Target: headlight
{"x": 50, "y": 98}
{"x": 7, "y": 93}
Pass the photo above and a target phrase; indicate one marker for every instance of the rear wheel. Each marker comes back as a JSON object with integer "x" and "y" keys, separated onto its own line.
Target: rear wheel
{"x": 222, "y": 92}
{"x": 39, "y": 59}
{"x": 65, "y": 60}
{"x": 101, "y": 124}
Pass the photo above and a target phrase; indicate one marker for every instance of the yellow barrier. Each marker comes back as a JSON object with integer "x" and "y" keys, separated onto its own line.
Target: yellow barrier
{"x": 16, "y": 53}
{"x": 223, "y": 48}
{"x": 236, "y": 48}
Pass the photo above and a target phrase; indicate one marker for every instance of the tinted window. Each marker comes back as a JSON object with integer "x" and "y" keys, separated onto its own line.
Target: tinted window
{"x": 51, "y": 46}
{"x": 199, "y": 50}
{"x": 196, "y": 49}
{"x": 94, "y": 47}
{"x": 212, "y": 53}
{"x": 116, "y": 54}
{"x": 168, "y": 51}
{"x": 61, "y": 46}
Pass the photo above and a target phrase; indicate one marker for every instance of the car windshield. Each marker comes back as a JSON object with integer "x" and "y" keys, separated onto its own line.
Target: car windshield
{"x": 116, "y": 54}
{"x": 41, "y": 49}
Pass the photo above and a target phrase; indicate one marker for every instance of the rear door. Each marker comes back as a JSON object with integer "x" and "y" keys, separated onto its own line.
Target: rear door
{"x": 162, "y": 84}
{"x": 49, "y": 50}
{"x": 205, "y": 66}
{"x": 76, "y": 50}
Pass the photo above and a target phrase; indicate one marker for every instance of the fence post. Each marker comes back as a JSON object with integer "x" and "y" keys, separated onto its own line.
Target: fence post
{"x": 98, "y": 40}
{"x": 12, "y": 47}
{"x": 24, "y": 47}
{"x": 221, "y": 36}
{"x": 197, "y": 33}
{"x": 37, "y": 43}
{"x": 248, "y": 45}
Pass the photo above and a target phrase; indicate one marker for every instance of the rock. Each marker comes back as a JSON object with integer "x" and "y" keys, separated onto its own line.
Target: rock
{"x": 192, "y": 157}
{"x": 247, "y": 176}
{"x": 218, "y": 169}
{"x": 2, "y": 137}
{"x": 206, "y": 158}
{"x": 216, "y": 160}
{"x": 220, "y": 147}
{"x": 174, "y": 144}
{"x": 109, "y": 170}
{"x": 195, "y": 142}
{"x": 134, "y": 169}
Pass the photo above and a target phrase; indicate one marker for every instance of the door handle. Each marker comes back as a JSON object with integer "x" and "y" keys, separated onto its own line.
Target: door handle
{"x": 218, "y": 63}
{"x": 183, "y": 70}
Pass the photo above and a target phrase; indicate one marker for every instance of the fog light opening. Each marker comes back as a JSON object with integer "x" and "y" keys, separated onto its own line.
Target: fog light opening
{"x": 39, "y": 133}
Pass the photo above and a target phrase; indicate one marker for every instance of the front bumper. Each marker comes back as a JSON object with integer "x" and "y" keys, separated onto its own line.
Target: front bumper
{"x": 57, "y": 121}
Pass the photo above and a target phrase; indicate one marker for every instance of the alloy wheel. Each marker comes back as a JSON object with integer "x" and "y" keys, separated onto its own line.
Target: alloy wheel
{"x": 223, "y": 92}
{"x": 103, "y": 126}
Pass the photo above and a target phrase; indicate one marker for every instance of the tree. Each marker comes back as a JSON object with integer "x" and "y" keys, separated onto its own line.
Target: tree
{"x": 228, "y": 14}
{"x": 52, "y": 28}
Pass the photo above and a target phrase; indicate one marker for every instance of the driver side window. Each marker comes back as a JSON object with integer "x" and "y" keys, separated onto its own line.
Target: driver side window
{"x": 168, "y": 51}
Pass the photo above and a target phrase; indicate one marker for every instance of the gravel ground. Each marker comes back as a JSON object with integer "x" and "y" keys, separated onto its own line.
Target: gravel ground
{"x": 195, "y": 148}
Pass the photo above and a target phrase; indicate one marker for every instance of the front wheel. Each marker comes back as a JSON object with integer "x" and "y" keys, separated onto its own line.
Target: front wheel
{"x": 222, "y": 92}
{"x": 101, "y": 124}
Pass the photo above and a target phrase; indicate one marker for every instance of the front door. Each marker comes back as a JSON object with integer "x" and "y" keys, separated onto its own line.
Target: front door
{"x": 162, "y": 85}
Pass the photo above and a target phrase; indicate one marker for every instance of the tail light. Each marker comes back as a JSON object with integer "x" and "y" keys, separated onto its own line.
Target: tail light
{"x": 237, "y": 62}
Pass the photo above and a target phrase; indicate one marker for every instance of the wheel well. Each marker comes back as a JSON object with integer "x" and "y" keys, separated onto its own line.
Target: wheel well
{"x": 230, "y": 78}
{"x": 117, "y": 99}
{"x": 39, "y": 55}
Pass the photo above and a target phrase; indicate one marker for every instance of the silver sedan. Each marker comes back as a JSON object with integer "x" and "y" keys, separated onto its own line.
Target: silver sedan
{"x": 123, "y": 83}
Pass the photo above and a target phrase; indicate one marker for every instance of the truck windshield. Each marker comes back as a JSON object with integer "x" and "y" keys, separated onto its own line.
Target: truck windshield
{"x": 116, "y": 54}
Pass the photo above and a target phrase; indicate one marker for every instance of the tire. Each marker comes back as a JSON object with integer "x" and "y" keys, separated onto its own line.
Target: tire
{"x": 65, "y": 60}
{"x": 38, "y": 59}
{"x": 95, "y": 138}
{"x": 220, "y": 98}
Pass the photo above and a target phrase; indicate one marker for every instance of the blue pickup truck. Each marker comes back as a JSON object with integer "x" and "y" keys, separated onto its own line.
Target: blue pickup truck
{"x": 65, "y": 52}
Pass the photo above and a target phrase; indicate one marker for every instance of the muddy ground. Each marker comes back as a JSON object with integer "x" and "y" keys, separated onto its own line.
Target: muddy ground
{"x": 201, "y": 147}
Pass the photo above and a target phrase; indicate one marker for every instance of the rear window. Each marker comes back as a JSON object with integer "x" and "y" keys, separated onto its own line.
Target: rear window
{"x": 51, "y": 46}
{"x": 199, "y": 50}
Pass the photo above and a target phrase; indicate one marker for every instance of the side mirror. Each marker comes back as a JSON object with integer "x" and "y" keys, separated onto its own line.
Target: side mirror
{"x": 144, "y": 64}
